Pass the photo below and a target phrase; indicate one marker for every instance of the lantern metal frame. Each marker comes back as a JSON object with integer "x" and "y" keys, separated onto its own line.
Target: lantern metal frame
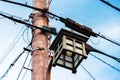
{"x": 69, "y": 49}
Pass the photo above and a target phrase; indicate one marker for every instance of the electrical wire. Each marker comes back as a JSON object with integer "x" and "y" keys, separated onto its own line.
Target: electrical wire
{"x": 13, "y": 63}
{"x": 64, "y": 20}
{"x": 106, "y": 63}
{"x": 90, "y": 48}
{"x": 27, "y": 34}
{"x": 109, "y": 4}
{"x": 108, "y": 39}
{"x": 103, "y": 53}
{"x": 94, "y": 42}
{"x": 23, "y": 66}
{"x": 88, "y": 72}
{"x": 12, "y": 15}
{"x": 26, "y": 70}
{"x": 44, "y": 28}
{"x": 12, "y": 45}
{"x": 24, "y": 35}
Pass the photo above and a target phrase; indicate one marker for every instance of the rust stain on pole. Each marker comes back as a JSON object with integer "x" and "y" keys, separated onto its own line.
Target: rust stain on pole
{"x": 39, "y": 40}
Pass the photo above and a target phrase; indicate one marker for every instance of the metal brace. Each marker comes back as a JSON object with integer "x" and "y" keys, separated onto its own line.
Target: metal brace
{"x": 28, "y": 69}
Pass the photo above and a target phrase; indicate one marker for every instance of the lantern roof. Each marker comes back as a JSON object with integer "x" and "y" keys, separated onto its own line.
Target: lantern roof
{"x": 71, "y": 34}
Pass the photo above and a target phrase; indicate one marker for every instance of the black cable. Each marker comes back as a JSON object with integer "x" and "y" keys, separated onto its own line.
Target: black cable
{"x": 103, "y": 53}
{"x": 109, "y": 4}
{"x": 26, "y": 70}
{"x": 31, "y": 7}
{"x": 13, "y": 63}
{"x": 44, "y": 28}
{"x": 23, "y": 65}
{"x": 112, "y": 57}
{"x": 12, "y": 16}
{"x": 66, "y": 21}
{"x": 88, "y": 72}
{"x": 108, "y": 39}
{"x": 77, "y": 27}
{"x": 106, "y": 63}
{"x": 12, "y": 45}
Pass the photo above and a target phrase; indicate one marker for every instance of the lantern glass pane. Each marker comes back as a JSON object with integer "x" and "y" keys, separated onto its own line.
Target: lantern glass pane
{"x": 67, "y": 58}
{"x": 61, "y": 57}
{"x": 57, "y": 55}
{"x": 60, "y": 61}
{"x": 75, "y": 57}
{"x": 76, "y": 62}
{"x": 68, "y": 64}
{"x": 80, "y": 57}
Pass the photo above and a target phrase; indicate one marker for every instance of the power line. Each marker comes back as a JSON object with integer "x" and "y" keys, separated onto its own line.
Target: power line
{"x": 103, "y": 53}
{"x": 44, "y": 28}
{"x": 68, "y": 22}
{"x": 13, "y": 63}
{"x": 108, "y": 39}
{"x": 12, "y": 16}
{"x": 12, "y": 45}
{"x": 106, "y": 63}
{"x": 26, "y": 70}
{"x": 109, "y": 4}
{"x": 24, "y": 35}
{"x": 23, "y": 65}
{"x": 88, "y": 72}
{"x": 27, "y": 34}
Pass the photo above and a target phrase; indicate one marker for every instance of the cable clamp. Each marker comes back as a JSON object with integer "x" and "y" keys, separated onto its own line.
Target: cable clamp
{"x": 27, "y": 49}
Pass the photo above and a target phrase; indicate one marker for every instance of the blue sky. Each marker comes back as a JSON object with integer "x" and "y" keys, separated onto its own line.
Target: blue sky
{"x": 92, "y": 13}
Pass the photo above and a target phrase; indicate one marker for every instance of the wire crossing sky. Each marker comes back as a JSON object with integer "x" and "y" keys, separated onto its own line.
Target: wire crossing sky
{"x": 93, "y": 13}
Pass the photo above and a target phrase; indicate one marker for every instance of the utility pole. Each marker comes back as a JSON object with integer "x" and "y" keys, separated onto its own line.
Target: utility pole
{"x": 39, "y": 42}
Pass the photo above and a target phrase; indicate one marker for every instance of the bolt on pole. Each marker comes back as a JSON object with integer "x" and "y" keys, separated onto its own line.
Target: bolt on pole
{"x": 39, "y": 43}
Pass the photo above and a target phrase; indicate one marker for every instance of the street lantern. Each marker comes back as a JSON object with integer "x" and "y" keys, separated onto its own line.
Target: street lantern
{"x": 69, "y": 50}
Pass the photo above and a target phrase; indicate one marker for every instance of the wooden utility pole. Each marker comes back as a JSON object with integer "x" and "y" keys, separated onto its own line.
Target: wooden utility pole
{"x": 39, "y": 43}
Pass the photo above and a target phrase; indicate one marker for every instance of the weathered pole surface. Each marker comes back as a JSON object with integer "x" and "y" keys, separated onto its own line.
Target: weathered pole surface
{"x": 39, "y": 41}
